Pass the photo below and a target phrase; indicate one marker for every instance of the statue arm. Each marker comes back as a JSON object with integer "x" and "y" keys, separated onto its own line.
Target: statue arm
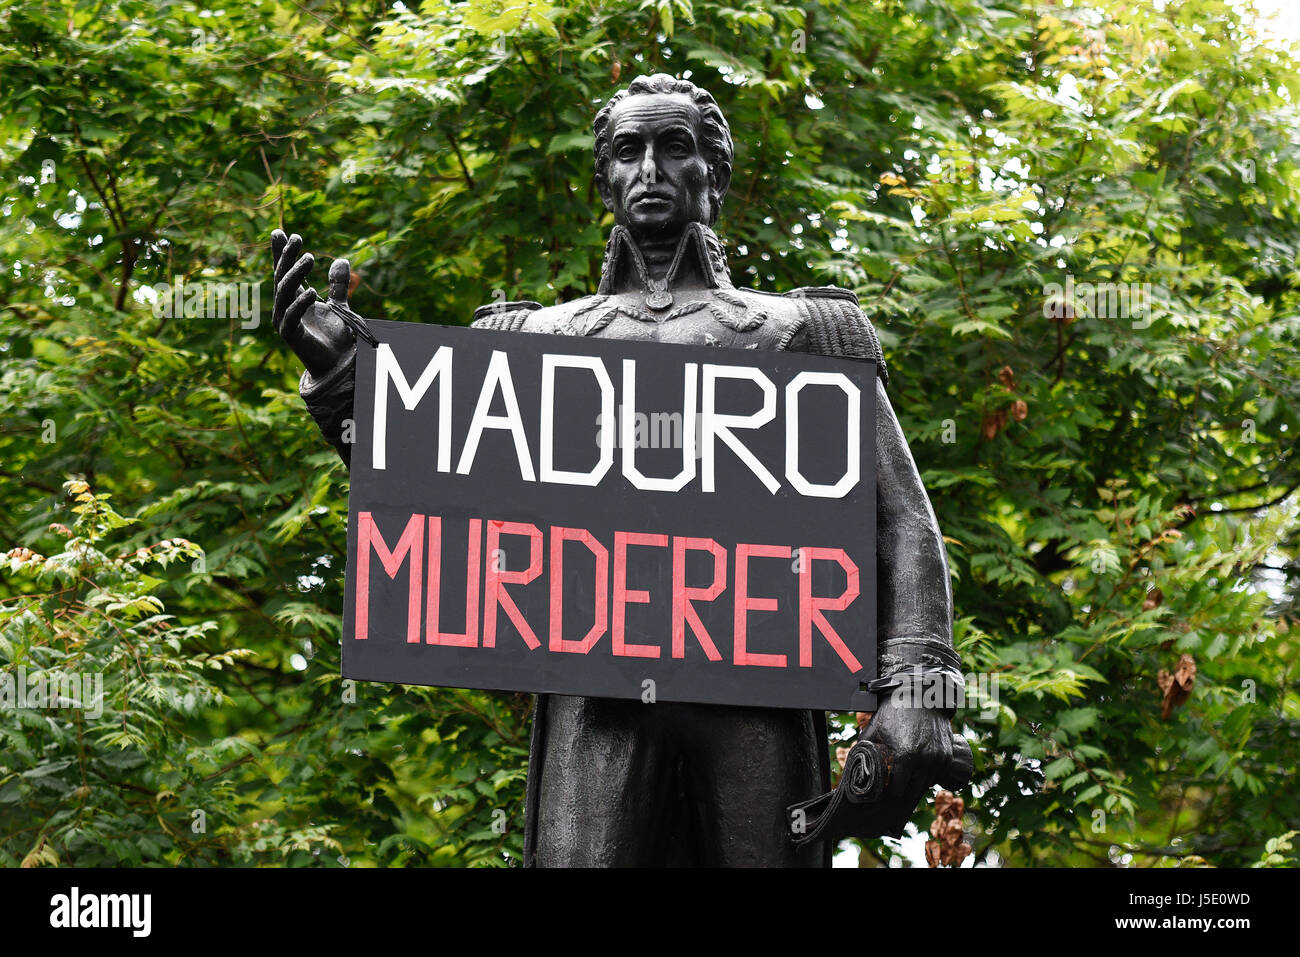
{"x": 914, "y": 591}
{"x": 318, "y": 334}
{"x": 328, "y": 398}
{"x": 919, "y": 672}
{"x": 915, "y": 743}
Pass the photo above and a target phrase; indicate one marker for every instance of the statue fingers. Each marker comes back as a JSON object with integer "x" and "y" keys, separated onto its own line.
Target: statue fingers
{"x": 922, "y": 766}
{"x": 944, "y": 759}
{"x": 289, "y": 325}
{"x": 340, "y": 280}
{"x": 288, "y": 256}
{"x": 278, "y": 241}
{"x": 287, "y": 289}
{"x": 899, "y": 805}
{"x": 955, "y": 773}
{"x": 911, "y": 761}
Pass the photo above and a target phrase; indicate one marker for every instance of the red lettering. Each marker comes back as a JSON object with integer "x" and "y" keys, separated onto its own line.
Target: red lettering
{"x": 559, "y": 536}
{"x": 810, "y": 607}
{"x": 744, "y": 603}
{"x": 497, "y": 576}
{"x": 433, "y": 635}
{"x": 622, "y": 596}
{"x": 683, "y": 610}
{"x": 409, "y": 554}
{"x": 412, "y": 543}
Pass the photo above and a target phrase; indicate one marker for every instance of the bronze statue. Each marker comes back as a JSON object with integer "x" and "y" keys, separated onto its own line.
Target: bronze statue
{"x": 615, "y": 782}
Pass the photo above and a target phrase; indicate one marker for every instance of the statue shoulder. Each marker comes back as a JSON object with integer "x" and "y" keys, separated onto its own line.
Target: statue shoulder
{"x": 836, "y": 325}
{"x": 823, "y": 292}
{"x": 504, "y": 316}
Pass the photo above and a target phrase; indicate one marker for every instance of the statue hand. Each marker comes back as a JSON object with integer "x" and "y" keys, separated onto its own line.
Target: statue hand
{"x": 319, "y": 337}
{"x": 921, "y": 751}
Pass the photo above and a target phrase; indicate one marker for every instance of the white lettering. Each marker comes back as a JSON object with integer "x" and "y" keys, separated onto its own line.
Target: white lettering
{"x": 387, "y": 370}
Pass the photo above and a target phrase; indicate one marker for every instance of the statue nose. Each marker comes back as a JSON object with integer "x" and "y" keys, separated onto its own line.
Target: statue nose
{"x": 649, "y": 167}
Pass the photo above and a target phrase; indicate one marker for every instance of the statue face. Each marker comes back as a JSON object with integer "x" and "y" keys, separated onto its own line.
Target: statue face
{"x": 657, "y": 180}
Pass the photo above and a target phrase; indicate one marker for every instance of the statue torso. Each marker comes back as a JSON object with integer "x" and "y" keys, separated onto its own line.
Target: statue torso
{"x": 696, "y": 304}
{"x": 732, "y": 318}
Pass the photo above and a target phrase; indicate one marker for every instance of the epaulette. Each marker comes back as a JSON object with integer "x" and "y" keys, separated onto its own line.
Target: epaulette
{"x": 822, "y": 292}
{"x": 504, "y": 316}
{"x": 837, "y": 326}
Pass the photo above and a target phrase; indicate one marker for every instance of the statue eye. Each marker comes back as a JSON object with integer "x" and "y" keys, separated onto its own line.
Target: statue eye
{"x": 627, "y": 152}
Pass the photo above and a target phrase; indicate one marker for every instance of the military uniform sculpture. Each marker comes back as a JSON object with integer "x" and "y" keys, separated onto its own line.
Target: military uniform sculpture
{"x": 615, "y": 782}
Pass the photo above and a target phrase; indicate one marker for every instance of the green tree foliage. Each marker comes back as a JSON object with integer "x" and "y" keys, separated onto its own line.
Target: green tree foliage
{"x": 1076, "y": 228}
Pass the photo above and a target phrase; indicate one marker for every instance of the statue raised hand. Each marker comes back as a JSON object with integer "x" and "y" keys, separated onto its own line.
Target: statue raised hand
{"x": 319, "y": 334}
{"x": 315, "y": 332}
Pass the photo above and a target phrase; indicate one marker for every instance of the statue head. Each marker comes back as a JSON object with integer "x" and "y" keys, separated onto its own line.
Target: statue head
{"x": 663, "y": 155}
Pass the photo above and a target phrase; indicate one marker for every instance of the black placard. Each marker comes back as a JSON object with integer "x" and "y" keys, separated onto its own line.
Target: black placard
{"x": 460, "y": 514}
